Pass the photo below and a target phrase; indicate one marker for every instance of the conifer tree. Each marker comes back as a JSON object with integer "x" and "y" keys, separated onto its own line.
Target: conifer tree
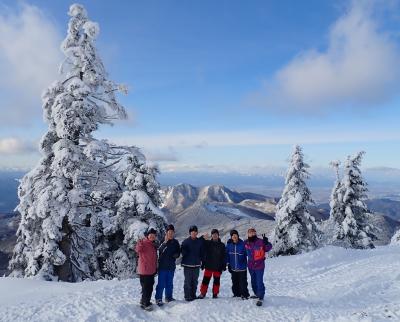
{"x": 295, "y": 230}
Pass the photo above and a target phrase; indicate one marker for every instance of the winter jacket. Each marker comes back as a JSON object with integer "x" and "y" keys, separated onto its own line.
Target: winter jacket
{"x": 214, "y": 255}
{"x": 236, "y": 255}
{"x": 192, "y": 252}
{"x": 147, "y": 252}
{"x": 256, "y": 253}
{"x": 168, "y": 252}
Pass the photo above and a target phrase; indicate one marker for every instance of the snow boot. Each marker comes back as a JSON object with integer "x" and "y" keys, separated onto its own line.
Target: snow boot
{"x": 215, "y": 296}
{"x": 201, "y": 296}
{"x": 159, "y": 303}
{"x": 254, "y": 297}
{"x": 259, "y": 302}
{"x": 244, "y": 297}
{"x": 147, "y": 308}
{"x": 169, "y": 300}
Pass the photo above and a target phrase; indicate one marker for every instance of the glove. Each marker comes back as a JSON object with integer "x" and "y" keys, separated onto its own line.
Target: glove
{"x": 230, "y": 269}
{"x": 202, "y": 267}
{"x": 265, "y": 239}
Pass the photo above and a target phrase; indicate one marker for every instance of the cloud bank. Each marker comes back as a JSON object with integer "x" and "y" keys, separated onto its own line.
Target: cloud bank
{"x": 13, "y": 146}
{"x": 29, "y": 59}
{"x": 360, "y": 68}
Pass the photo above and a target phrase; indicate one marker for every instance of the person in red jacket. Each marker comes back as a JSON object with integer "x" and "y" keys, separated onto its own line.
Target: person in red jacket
{"x": 147, "y": 266}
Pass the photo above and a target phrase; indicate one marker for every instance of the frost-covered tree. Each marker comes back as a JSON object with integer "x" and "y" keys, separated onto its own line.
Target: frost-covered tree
{"x": 336, "y": 204}
{"x": 68, "y": 202}
{"x": 351, "y": 228}
{"x": 136, "y": 211}
{"x": 396, "y": 238}
{"x": 295, "y": 230}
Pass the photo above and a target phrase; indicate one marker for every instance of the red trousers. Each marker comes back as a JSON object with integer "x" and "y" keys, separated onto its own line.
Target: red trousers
{"x": 206, "y": 280}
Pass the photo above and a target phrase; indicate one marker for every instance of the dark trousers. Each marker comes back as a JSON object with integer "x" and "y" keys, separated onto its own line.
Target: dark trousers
{"x": 257, "y": 282}
{"x": 206, "y": 280}
{"x": 147, "y": 283}
{"x": 239, "y": 284}
{"x": 191, "y": 280}
{"x": 165, "y": 281}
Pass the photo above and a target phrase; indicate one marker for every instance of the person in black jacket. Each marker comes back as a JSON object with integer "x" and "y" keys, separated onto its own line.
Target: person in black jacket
{"x": 213, "y": 263}
{"x": 168, "y": 252}
{"x": 192, "y": 252}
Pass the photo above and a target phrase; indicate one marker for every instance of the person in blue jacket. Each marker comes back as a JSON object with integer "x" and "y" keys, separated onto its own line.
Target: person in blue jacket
{"x": 236, "y": 259}
{"x": 192, "y": 254}
{"x": 168, "y": 252}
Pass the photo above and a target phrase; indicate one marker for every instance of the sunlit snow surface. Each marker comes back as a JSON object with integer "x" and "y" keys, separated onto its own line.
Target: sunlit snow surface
{"x": 329, "y": 284}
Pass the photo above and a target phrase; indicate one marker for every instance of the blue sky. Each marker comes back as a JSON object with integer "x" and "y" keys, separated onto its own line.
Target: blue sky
{"x": 219, "y": 85}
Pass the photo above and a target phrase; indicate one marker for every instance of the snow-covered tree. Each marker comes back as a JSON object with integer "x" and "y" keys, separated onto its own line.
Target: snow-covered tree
{"x": 336, "y": 204}
{"x": 68, "y": 202}
{"x": 396, "y": 238}
{"x": 351, "y": 228}
{"x": 136, "y": 211}
{"x": 295, "y": 230}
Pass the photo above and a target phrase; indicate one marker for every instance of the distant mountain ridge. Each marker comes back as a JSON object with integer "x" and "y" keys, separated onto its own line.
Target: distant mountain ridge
{"x": 216, "y": 206}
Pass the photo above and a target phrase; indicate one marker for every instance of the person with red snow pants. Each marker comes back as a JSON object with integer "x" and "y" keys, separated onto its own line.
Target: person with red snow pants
{"x": 213, "y": 263}
{"x": 256, "y": 249}
{"x": 147, "y": 266}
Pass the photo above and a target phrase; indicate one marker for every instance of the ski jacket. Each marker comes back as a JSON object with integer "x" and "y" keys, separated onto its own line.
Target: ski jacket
{"x": 147, "y": 251}
{"x": 236, "y": 255}
{"x": 168, "y": 252}
{"x": 192, "y": 252}
{"x": 214, "y": 255}
{"x": 256, "y": 251}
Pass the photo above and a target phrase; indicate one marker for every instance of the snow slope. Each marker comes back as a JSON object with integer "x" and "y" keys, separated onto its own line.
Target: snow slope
{"x": 329, "y": 284}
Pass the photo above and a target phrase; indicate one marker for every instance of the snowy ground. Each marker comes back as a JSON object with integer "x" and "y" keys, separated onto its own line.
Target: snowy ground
{"x": 330, "y": 284}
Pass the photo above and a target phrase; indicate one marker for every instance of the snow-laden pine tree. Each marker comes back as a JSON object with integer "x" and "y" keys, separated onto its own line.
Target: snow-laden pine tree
{"x": 137, "y": 209}
{"x": 68, "y": 203}
{"x": 396, "y": 238}
{"x": 295, "y": 230}
{"x": 336, "y": 204}
{"x": 351, "y": 228}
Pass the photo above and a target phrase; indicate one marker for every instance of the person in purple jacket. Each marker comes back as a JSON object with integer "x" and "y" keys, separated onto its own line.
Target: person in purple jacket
{"x": 256, "y": 249}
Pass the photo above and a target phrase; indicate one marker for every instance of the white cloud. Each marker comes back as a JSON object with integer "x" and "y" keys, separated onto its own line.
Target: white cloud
{"x": 317, "y": 135}
{"x": 12, "y": 146}
{"x": 29, "y": 59}
{"x": 360, "y": 68}
{"x": 161, "y": 155}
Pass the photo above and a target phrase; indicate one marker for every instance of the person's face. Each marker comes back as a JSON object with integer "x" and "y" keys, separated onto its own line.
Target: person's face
{"x": 215, "y": 236}
{"x": 193, "y": 234}
{"x": 170, "y": 234}
{"x": 252, "y": 233}
{"x": 152, "y": 237}
{"x": 235, "y": 238}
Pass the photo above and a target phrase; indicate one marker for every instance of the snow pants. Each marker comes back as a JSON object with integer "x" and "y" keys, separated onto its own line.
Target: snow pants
{"x": 257, "y": 282}
{"x": 147, "y": 283}
{"x": 165, "y": 281}
{"x": 206, "y": 280}
{"x": 239, "y": 283}
{"x": 191, "y": 280}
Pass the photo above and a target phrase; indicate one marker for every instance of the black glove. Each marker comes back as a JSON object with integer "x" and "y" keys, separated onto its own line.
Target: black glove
{"x": 202, "y": 267}
{"x": 265, "y": 239}
{"x": 230, "y": 269}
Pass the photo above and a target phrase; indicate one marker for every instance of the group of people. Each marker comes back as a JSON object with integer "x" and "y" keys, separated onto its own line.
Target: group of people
{"x": 208, "y": 254}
